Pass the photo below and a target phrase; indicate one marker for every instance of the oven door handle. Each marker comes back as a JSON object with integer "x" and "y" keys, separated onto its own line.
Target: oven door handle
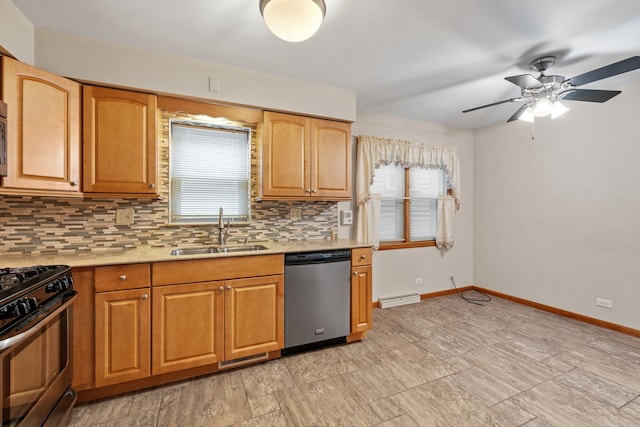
{"x": 34, "y": 329}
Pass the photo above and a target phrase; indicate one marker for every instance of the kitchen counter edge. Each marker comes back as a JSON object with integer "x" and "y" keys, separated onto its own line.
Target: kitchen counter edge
{"x": 160, "y": 254}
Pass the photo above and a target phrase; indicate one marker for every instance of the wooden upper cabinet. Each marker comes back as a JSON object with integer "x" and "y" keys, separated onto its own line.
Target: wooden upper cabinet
{"x": 119, "y": 142}
{"x": 330, "y": 159}
{"x": 305, "y": 158}
{"x": 43, "y": 131}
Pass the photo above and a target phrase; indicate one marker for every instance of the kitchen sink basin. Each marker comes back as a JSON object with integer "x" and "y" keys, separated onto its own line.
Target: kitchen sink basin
{"x": 217, "y": 250}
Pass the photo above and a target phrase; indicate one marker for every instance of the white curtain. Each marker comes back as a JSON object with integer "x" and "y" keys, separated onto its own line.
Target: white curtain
{"x": 374, "y": 151}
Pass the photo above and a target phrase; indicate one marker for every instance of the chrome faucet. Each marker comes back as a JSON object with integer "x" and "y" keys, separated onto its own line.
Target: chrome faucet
{"x": 223, "y": 233}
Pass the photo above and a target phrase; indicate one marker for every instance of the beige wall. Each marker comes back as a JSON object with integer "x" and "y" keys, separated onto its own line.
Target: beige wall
{"x": 557, "y": 218}
{"x": 395, "y": 271}
{"x": 117, "y": 65}
{"x": 16, "y": 32}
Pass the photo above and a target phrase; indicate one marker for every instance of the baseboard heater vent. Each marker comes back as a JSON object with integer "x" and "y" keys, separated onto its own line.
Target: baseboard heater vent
{"x": 398, "y": 300}
{"x": 242, "y": 361}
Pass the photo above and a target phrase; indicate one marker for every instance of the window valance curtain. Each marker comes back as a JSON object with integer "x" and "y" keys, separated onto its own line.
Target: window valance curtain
{"x": 375, "y": 151}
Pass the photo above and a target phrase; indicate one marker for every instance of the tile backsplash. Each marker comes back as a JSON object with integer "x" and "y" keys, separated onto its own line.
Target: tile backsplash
{"x": 65, "y": 225}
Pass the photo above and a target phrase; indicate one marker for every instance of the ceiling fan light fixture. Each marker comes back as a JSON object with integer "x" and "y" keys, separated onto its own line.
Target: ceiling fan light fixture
{"x": 527, "y": 115}
{"x": 542, "y": 107}
{"x": 293, "y": 20}
{"x": 558, "y": 109}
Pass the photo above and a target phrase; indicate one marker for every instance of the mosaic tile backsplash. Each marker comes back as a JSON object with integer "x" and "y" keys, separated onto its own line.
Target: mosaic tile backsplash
{"x": 65, "y": 225}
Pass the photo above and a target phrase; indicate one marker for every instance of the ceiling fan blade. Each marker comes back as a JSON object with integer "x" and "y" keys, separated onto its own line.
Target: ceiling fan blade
{"x": 525, "y": 81}
{"x": 610, "y": 70}
{"x": 588, "y": 95}
{"x": 518, "y": 113}
{"x": 491, "y": 105}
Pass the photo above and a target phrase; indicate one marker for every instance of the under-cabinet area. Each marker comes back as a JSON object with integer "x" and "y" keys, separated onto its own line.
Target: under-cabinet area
{"x": 144, "y": 324}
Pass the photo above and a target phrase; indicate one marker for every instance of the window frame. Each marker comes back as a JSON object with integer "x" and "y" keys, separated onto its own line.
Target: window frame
{"x": 217, "y": 125}
{"x": 407, "y": 243}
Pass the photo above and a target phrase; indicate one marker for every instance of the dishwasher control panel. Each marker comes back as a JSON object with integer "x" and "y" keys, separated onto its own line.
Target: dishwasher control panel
{"x": 317, "y": 257}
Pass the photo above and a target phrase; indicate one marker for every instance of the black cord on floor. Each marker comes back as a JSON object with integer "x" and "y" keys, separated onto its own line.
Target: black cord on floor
{"x": 486, "y": 298}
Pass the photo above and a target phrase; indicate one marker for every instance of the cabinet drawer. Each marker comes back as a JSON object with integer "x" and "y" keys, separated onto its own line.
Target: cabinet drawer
{"x": 361, "y": 256}
{"x": 117, "y": 277}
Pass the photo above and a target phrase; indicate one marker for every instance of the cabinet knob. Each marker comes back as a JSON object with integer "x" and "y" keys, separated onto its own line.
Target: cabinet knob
{"x": 221, "y": 288}
{"x": 363, "y": 257}
{"x": 314, "y": 190}
{"x": 355, "y": 273}
{"x": 73, "y": 183}
{"x": 229, "y": 287}
{"x": 123, "y": 277}
{"x": 308, "y": 190}
{"x": 152, "y": 186}
{"x": 144, "y": 296}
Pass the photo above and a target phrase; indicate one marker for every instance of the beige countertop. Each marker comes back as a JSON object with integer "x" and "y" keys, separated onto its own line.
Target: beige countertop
{"x": 157, "y": 254}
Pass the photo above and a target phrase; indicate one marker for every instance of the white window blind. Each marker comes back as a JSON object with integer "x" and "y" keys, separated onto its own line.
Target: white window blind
{"x": 389, "y": 182}
{"x": 424, "y": 188}
{"x": 425, "y": 185}
{"x": 210, "y": 169}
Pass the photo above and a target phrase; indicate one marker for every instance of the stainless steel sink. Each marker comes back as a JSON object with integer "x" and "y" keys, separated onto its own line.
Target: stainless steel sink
{"x": 217, "y": 250}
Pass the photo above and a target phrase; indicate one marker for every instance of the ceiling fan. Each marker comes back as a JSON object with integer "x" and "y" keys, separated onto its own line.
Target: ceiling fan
{"x": 542, "y": 94}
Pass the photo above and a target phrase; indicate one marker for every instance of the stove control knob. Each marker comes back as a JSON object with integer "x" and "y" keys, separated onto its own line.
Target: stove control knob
{"x": 32, "y": 303}
{"x": 7, "y": 312}
{"x": 22, "y": 309}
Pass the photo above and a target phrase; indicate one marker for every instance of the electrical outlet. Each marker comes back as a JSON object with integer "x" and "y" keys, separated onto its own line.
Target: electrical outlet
{"x": 124, "y": 216}
{"x": 295, "y": 213}
{"x": 604, "y": 303}
{"x": 418, "y": 280}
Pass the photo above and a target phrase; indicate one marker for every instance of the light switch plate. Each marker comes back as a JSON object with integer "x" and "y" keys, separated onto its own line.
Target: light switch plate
{"x": 346, "y": 217}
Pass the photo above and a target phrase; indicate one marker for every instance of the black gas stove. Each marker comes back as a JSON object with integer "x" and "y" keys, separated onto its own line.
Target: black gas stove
{"x": 26, "y": 291}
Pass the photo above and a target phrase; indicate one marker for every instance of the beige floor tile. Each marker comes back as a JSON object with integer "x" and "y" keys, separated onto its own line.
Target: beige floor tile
{"x": 442, "y": 404}
{"x": 263, "y": 405}
{"x": 318, "y": 365}
{"x": 401, "y": 421}
{"x": 266, "y": 378}
{"x": 511, "y": 412}
{"x": 372, "y": 383}
{"x": 101, "y": 411}
{"x": 385, "y": 409}
{"x": 561, "y": 405}
{"x": 483, "y": 385}
{"x": 139, "y": 419}
{"x": 214, "y": 400}
{"x": 326, "y": 402}
{"x": 598, "y": 387}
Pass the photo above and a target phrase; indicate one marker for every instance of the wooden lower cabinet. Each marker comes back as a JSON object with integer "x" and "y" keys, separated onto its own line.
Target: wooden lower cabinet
{"x": 122, "y": 335}
{"x": 205, "y": 323}
{"x": 187, "y": 326}
{"x": 361, "y": 308}
{"x": 254, "y": 316}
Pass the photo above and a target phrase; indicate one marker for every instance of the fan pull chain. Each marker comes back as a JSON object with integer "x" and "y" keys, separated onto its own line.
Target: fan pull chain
{"x": 533, "y": 130}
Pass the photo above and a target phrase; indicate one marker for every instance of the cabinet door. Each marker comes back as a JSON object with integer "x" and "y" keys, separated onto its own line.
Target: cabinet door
{"x": 285, "y": 155}
{"x": 254, "y": 316}
{"x": 122, "y": 336}
{"x": 187, "y": 326}
{"x": 330, "y": 159}
{"x": 361, "y": 308}
{"x": 43, "y": 130}
{"x": 119, "y": 141}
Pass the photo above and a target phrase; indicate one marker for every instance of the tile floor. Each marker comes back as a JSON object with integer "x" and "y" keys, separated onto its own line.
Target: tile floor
{"x": 443, "y": 362}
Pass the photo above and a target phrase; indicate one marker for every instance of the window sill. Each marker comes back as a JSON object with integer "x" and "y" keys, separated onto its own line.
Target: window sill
{"x": 406, "y": 245}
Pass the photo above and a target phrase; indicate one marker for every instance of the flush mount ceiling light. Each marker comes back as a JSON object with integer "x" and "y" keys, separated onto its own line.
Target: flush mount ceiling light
{"x": 293, "y": 20}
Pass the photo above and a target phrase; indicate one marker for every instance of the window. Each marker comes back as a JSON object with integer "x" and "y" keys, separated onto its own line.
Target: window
{"x": 408, "y": 204}
{"x": 209, "y": 169}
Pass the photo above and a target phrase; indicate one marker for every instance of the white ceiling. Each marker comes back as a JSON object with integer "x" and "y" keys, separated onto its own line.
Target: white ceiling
{"x": 423, "y": 60}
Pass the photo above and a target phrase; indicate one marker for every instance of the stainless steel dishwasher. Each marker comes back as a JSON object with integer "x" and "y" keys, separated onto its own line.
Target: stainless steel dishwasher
{"x": 317, "y": 299}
